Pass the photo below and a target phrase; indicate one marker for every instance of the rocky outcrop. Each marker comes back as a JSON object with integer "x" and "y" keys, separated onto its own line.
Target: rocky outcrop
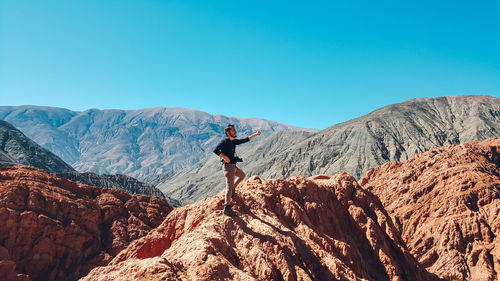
{"x": 124, "y": 182}
{"x": 319, "y": 228}
{"x": 393, "y": 133}
{"x": 55, "y": 229}
{"x": 136, "y": 143}
{"x": 446, "y": 202}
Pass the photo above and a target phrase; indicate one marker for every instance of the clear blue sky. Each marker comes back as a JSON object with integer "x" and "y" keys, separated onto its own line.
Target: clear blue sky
{"x": 305, "y": 63}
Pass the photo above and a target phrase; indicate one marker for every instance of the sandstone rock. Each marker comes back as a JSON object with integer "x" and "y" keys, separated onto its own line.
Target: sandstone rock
{"x": 55, "y": 229}
{"x": 319, "y": 228}
{"x": 446, "y": 202}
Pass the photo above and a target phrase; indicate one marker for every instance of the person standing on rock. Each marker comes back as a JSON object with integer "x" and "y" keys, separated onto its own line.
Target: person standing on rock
{"x": 226, "y": 149}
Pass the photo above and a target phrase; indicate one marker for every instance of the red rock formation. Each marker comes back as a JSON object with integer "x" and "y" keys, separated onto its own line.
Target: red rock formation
{"x": 446, "y": 202}
{"x": 320, "y": 228}
{"x": 54, "y": 229}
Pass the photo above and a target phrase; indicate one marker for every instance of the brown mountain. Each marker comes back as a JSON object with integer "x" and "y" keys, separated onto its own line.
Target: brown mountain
{"x": 446, "y": 202}
{"x": 55, "y": 229}
{"x": 319, "y": 228}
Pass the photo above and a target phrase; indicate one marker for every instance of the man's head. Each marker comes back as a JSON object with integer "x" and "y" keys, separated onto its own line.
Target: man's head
{"x": 230, "y": 131}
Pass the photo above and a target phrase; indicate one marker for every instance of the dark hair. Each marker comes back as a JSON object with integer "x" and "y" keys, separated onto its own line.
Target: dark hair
{"x": 228, "y": 128}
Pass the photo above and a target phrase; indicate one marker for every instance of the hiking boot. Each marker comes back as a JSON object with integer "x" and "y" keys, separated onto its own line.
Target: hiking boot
{"x": 228, "y": 211}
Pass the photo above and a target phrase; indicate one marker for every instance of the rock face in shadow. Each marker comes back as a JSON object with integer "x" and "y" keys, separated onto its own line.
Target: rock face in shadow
{"x": 55, "y": 229}
{"x": 319, "y": 228}
{"x": 17, "y": 149}
{"x": 446, "y": 202}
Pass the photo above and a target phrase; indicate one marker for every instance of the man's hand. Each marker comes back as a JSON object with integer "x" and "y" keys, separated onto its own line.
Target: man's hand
{"x": 254, "y": 135}
{"x": 225, "y": 158}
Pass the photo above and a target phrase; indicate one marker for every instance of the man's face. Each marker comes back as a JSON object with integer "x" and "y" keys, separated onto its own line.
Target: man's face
{"x": 232, "y": 133}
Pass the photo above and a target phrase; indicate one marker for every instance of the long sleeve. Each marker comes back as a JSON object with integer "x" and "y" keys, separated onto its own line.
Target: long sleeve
{"x": 218, "y": 149}
{"x": 240, "y": 141}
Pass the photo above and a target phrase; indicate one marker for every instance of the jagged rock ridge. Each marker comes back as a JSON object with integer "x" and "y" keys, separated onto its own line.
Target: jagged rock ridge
{"x": 321, "y": 228}
{"x": 124, "y": 182}
{"x": 55, "y": 229}
{"x": 446, "y": 202}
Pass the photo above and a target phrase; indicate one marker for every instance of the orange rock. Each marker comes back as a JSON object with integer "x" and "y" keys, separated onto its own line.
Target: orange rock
{"x": 55, "y": 229}
{"x": 321, "y": 228}
{"x": 446, "y": 202}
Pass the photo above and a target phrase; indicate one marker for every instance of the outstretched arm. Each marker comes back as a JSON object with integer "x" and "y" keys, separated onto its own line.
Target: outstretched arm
{"x": 254, "y": 135}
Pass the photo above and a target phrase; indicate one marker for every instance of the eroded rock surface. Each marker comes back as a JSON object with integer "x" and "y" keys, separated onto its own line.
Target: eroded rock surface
{"x": 319, "y": 228}
{"x": 446, "y": 203}
{"x": 55, "y": 229}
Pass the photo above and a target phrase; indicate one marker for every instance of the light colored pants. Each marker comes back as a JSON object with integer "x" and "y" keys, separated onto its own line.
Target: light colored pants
{"x": 230, "y": 172}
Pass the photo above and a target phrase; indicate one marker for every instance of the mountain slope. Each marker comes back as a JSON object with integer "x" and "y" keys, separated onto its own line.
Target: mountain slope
{"x": 55, "y": 229}
{"x": 138, "y": 143}
{"x": 446, "y": 202}
{"x": 17, "y": 149}
{"x": 392, "y": 133}
{"x": 321, "y": 228}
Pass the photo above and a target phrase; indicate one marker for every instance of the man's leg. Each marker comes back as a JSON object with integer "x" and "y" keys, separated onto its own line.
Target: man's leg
{"x": 241, "y": 176}
{"x": 229, "y": 170}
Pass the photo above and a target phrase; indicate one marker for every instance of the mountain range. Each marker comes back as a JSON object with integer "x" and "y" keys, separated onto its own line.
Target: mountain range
{"x": 18, "y": 149}
{"x": 392, "y": 133}
{"x": 137, "y": 143}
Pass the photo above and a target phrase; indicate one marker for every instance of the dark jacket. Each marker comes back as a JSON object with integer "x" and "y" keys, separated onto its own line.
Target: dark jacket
{"x": 228, "y": 148}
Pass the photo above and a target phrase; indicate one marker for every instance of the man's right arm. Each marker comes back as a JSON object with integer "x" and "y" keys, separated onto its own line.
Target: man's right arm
{"x": 224, "y": 157}
{"x": 218, "y": 152}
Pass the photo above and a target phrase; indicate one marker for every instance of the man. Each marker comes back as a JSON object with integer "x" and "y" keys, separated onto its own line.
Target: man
{"x": 226, "y": 150}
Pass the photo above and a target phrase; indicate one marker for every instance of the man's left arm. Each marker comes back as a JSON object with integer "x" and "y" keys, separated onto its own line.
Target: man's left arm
{"x": 254, "y": 135}
{"x": 247, "y": 139}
